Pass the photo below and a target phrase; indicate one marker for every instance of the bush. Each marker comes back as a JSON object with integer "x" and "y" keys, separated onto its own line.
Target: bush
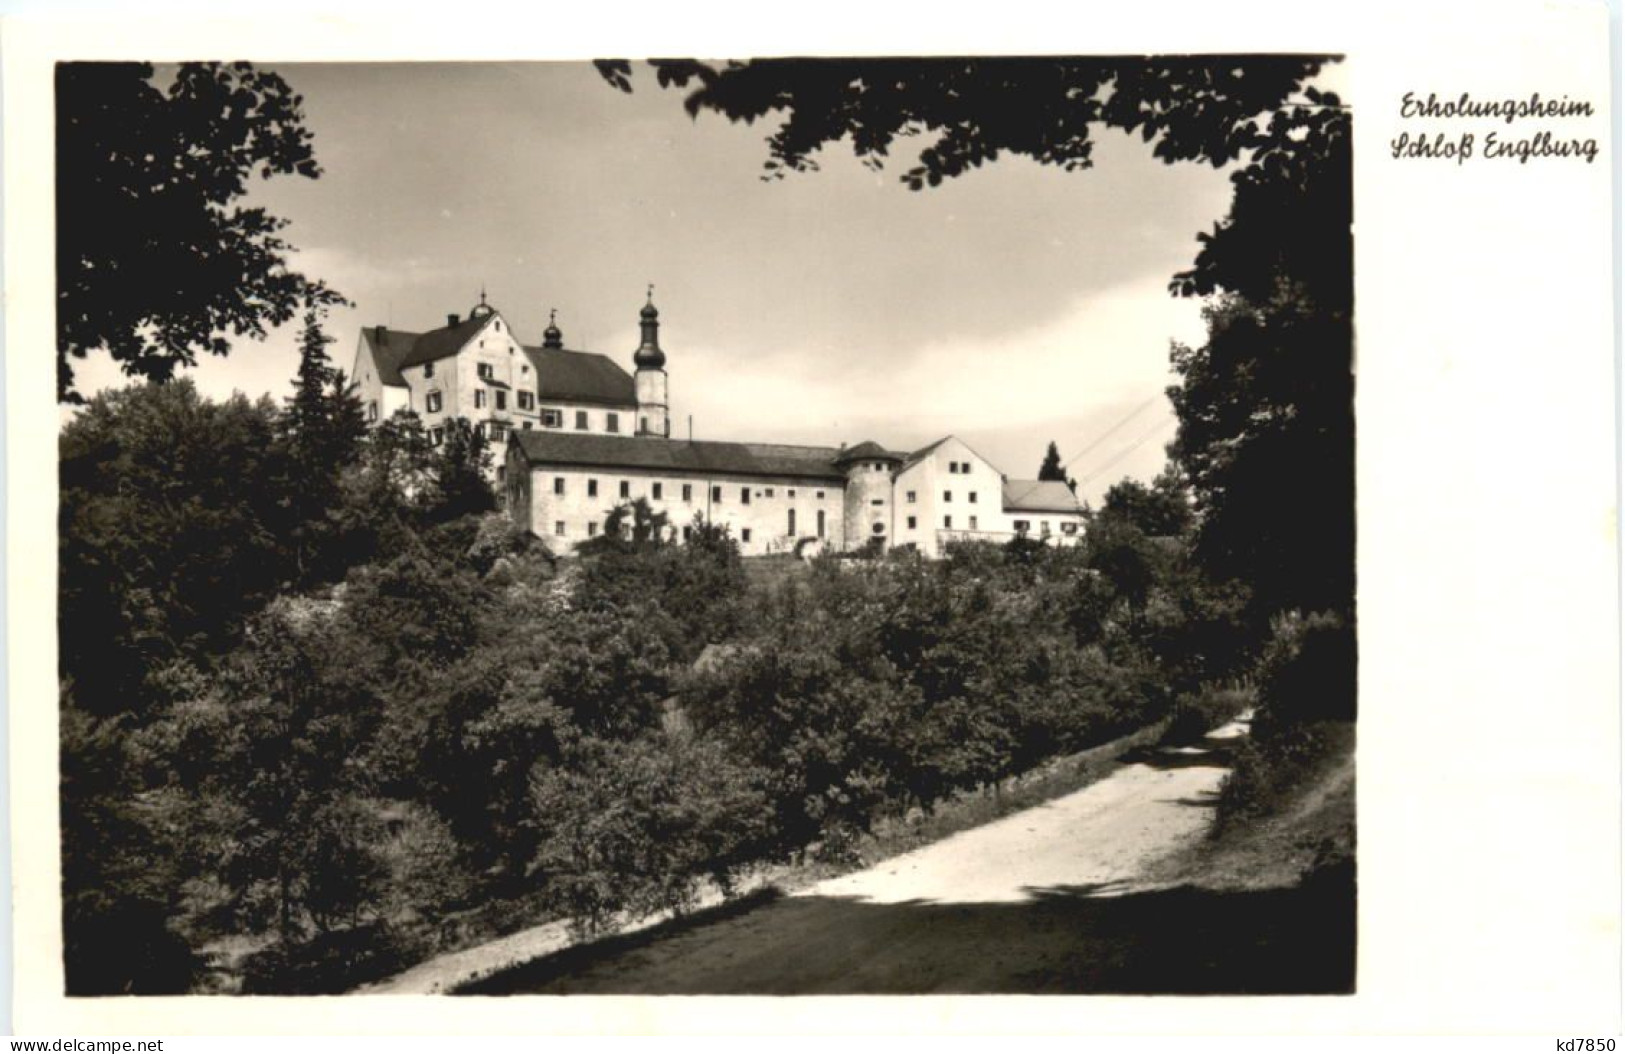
{"x": 1308, "y": 674}
{"x": 1195, "y": 714}
{"x": 635, "y": 828}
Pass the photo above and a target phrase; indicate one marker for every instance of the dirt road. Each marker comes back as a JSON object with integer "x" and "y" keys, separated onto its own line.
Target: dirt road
{"x": 1053, "y": 899}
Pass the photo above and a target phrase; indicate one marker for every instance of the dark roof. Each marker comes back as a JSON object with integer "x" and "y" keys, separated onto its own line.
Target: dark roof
{"x": 581, "y": 377}
{"x": 678, "y": 456}
{"x": 1039, "y": 495}
{"x": 865, "y": 451}
{"x": 387, "y": 356}
{"x": 566, "y": 376}
{"x": 443, "y": 342}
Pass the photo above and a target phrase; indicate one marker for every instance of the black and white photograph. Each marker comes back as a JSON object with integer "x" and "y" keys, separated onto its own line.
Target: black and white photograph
{"x": 594, "y": 527}
{"x": 509, "y": 527}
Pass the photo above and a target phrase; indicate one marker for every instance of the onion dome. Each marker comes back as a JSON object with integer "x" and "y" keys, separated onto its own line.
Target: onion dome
{"x": 552, "y": 336}
{"x": 649, "y": 356}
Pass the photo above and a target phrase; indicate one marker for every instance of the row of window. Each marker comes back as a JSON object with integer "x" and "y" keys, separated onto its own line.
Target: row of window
{"x": 947, "y": 495}
{"x": 657, "y": 491}
{"x": 560, "y": 528}
{"x": 959, "y": 467}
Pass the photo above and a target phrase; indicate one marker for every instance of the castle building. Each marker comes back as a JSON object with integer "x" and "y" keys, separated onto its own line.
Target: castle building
{"x": 583, "y": 437}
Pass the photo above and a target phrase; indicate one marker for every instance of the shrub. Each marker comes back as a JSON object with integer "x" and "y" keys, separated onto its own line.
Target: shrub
{"x": 1308, "y": 674}
{"x": 635, "y": 828}
{"x": 1195, "y": 714}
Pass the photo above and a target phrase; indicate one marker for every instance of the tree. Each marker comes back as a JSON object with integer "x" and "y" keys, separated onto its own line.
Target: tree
{"x": 169, "y": 509}
{"x": 1162, "y": 510}
{"x": 322, "y": 427}
{"x": 459, "y": 468}
{"x": 1052, "y": 469}
{"x": 157, "y": 259}
{"x": 1266, "y": 405}
{"x": 972, "y": 111}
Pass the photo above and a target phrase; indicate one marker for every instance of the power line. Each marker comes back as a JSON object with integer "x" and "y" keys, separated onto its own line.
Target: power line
{"x": 1137, "y": 444}
{"x": 1113, "y": 429}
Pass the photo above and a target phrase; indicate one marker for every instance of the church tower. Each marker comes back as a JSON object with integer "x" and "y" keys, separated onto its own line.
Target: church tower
{"x": 654, "y": 417}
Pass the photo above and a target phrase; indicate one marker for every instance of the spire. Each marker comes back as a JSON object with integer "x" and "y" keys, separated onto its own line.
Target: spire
{"x": 649, "y": 356}
{"x": 551, "y": 336}
{"x": 481, "y": 309}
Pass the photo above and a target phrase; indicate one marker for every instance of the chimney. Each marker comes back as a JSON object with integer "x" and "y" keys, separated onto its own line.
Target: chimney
{"x": 380, "y": 335}
{"x": 451, "y": 320}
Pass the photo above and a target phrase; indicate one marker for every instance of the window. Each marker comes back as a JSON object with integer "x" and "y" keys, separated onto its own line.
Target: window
{"x": 953, "y": 466}
{"x": 488, "y": 372}
{"x": 495, "y": 429}
{"x": 947, "y": 495}
{"x": 1043, "y": 526}
{"x": 791, "y": 528}
{"x": 612, "y": 422}
{"x": 744, "y": 495}
{"x": 948, "y": 522}
{"x": 428, "y": 370}
{"x": 973, "y": 497}
{"x": 744, "y": 534}
{"x": 911, "y": 497}
{"x": 716, "y": 495}
{"x": 879, "y": 528}
{"x": 911, "y": 523}
{"x": 372, "y": 411}
{"x": 437, "y": 436}
{"x": 655, "y": 491}
{"x": 527, "y": 425}
{"x": 820, "y": 495}
{"x": 688, "y": 534}
{"x": 1023, "y": 526}
{"x": 820, "y": 523}
{"x": 592, "y": 529}
{"x": 643, "y": 424}
{"x": 877, "y": 501}
{"x": 973, "y": 523}
{"x": 502, "y": 400}
{"x": 558, "y": 484}
{"x": 552, "y": 419}
{"x": 434, "y": 402}
{"x": 767, "y": 492}
{"x": 592, "y": 488}
{"x": 688, "y": 492}
{"x": 581, "y": 420}
{"x": 498, "y": 327}
{"x": 502, "y": 473}
{"x": 792, "y": 492}
{"x": 626, "y": 488}
{"x": 1069, "y": 528}
{"x": 558, "y": 528}
{"x": 527, "y": 400}
{"x": 479, "y": 398}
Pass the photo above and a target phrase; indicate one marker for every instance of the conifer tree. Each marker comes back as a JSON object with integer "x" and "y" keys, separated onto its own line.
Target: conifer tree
{"x": 1052, "y": 469}
{"x": 322, "y": 429}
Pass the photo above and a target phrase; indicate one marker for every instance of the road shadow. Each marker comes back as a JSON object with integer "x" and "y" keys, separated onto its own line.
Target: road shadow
{"x": 1070, "y": 940}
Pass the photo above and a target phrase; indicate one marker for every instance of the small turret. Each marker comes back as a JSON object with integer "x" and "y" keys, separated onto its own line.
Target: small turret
{"x": 649, "y": 356}
{"x": 654, "y": 417}
{"x": 552, "y": 336}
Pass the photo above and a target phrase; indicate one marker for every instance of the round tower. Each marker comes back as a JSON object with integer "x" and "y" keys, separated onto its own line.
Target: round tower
{"x": 654, "y": 414}
{"x": 867, "y": 519}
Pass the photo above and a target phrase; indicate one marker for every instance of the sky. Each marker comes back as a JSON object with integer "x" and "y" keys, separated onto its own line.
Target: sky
{"x": 1013, "y": 306}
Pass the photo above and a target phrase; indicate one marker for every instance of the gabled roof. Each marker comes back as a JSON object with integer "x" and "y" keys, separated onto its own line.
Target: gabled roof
{"x": 444, "y": 342}
{"x": 581, "y": 377}
{"x": 1039, "y": 495}
{"x": 565, "y": 376}
{"x": 678, "y": 456}
{"x": 387, "y": 356}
